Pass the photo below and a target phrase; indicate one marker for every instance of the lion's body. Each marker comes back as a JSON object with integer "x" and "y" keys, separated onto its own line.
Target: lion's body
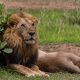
{"x": 58, "y": 61}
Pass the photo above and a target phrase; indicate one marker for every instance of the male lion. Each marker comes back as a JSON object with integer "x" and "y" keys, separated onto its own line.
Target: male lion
{"x": 20, "y": 35}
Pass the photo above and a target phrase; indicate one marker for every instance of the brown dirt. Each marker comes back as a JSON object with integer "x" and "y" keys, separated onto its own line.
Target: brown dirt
{"x": 74, "y": 48}
{"x": 53, "y": 4}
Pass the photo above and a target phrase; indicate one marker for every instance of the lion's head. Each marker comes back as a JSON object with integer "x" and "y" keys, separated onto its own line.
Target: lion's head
{"x": 25, "y": 26}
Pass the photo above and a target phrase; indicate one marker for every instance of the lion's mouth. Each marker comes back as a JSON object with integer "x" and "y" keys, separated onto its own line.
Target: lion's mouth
{"x": 30, "y": 41}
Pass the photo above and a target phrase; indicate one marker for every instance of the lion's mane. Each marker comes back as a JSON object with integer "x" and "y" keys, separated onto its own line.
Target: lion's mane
{"x": 24, "y": 54}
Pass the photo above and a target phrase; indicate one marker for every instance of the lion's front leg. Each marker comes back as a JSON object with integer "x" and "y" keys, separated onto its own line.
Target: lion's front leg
{"x": 22, "y": 69}
{"x": 38, "y": 71}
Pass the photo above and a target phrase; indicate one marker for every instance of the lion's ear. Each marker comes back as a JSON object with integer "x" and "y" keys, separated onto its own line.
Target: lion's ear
{"x": 13, "y": 20}
{"x": 10, "y": 23}
{"x": 35, "y": 21}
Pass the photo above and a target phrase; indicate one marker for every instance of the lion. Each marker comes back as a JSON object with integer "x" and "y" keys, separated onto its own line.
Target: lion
{"x": 20, "y": 35}
{"x": 58, "y": 61}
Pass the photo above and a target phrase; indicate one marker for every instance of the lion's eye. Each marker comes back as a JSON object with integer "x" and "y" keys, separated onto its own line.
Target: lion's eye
{"x": 23, "y": 26}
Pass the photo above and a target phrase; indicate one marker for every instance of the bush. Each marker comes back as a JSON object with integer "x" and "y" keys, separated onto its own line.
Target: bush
{"x": 3, "y": 21}
{"x": 3, "y": 17}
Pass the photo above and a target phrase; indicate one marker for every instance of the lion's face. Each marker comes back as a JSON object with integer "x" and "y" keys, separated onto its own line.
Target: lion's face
{"x": 26, "y": 27}
{"x": 27, "y": 30}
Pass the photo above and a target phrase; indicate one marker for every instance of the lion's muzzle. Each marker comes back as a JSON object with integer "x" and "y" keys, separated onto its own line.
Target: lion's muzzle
{"x": 32, "y": 38}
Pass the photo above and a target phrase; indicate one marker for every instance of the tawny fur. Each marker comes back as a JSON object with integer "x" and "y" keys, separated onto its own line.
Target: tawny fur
{"x": 58, "y": 61}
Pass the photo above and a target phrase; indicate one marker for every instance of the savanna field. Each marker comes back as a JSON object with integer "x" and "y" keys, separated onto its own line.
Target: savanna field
{"x": 55, "y": 26}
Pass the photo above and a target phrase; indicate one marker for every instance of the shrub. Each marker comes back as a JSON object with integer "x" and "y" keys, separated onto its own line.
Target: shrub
{"x": 3, "y": 21}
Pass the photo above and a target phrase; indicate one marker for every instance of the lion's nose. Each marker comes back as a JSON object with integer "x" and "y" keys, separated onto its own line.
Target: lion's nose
{"x": 31, "y": 33}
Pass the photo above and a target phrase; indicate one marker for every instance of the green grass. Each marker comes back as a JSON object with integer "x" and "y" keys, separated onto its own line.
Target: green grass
{"x": 7, "y": 74}
{"x": 54, "y": 26}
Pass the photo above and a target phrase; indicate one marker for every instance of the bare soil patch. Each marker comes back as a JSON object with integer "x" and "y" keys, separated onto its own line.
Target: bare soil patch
{"x": 41, "y": 4}
{"x": 74, "y": 48}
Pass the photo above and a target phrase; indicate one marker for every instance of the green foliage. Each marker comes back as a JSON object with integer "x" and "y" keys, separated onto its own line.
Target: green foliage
{"x": 3, "y": 21}
{"x": 8, "y": 50}
{"x": 2, "y": 44}
{"x": 3, "y": 48}
{"x": 3, "y": 17}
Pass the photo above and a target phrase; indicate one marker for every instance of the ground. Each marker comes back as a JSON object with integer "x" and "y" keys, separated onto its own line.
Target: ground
{"x": 65, "y": 47}
{"x": 49, "y": 4}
